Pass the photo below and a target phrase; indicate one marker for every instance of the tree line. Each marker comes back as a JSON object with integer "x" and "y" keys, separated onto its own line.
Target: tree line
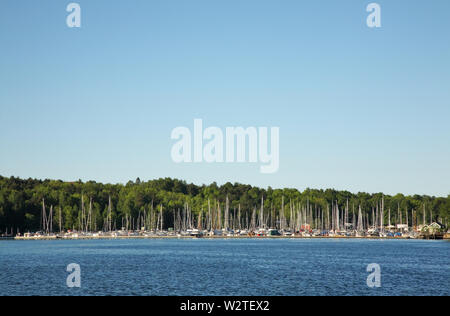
{"x": 111, "y": 204}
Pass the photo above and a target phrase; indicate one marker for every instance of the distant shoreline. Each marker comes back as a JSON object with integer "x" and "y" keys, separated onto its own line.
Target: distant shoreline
{"x": 216, "y": 237}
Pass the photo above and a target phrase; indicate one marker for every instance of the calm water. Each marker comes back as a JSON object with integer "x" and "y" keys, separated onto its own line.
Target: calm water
{"x": 225, "y": 267}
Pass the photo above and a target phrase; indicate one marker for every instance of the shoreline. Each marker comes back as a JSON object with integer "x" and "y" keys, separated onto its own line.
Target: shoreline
{"x": 213, "y": 237}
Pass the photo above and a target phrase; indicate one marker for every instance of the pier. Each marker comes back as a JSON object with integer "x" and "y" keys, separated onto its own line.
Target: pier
{"x": 210, "y": 235}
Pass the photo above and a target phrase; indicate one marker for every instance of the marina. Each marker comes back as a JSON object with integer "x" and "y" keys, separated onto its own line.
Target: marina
{"x": 168, "y": 234}
{"x": 170, "y": 208}
{"x": 303, "y": 222}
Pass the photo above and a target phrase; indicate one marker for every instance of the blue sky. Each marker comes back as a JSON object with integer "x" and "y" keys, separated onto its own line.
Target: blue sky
{"x": 359, "y": 109}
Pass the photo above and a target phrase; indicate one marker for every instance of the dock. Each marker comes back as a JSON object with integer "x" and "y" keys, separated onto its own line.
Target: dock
{"x": 447, "y": 237}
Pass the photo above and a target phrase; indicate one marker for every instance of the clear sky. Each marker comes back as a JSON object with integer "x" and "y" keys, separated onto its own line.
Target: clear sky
{"x": 359, "y": 109}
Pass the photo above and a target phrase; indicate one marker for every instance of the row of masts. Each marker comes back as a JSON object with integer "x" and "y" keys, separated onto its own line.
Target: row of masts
{"x": 297, "y": 218}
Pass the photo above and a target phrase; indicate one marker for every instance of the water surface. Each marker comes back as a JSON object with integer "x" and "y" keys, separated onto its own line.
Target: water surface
{"x": 225, "y": 267}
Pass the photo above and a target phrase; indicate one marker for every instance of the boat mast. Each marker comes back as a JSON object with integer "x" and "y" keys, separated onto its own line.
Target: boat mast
{"x": 50, "y": 221}
{"x": 60, "y": 220}
{"x": 239, "y": 216}
{"x": 44, "y": 217}
{"x": 360, "y": 220}
{"x": 424, "y": 214}
{"x": 261, "y": 215}
{"x": 227, "y": 213}
{"x": 162, "y": 218}
{"x": 109, "y": 215}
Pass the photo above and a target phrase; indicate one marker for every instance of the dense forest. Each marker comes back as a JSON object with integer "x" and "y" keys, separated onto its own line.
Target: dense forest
{"x": 21, "y": 202}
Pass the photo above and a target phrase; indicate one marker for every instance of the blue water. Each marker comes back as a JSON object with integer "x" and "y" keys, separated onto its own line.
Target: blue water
{"x": 225, "y": 267}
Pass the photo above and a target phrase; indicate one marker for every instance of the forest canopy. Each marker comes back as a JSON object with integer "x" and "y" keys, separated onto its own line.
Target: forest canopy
{"x": 21, "y": 200}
